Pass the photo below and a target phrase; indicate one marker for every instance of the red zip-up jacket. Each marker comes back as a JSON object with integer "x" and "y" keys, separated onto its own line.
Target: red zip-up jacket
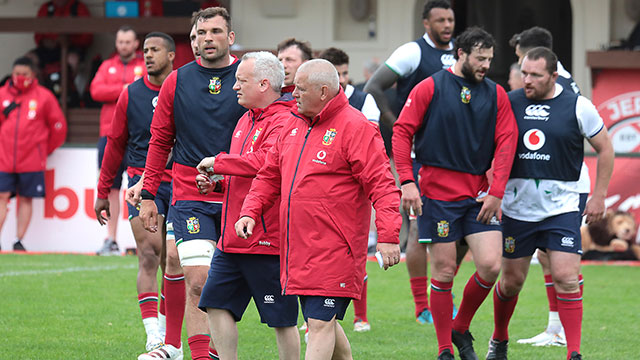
{"x": 327, "y": 171}
{"x": 253, "y": 137}
{"x": 32, "y": 130}
{"x": 109, "y": 82}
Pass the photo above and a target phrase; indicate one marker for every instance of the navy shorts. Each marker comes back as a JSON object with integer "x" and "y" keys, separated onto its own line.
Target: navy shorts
{"x": 583, "y": 203}
{"x": 196, "y": 220}
{"x": 117, "y": 181}
{"x": 556, "y": 233}
{"x": 28, "y": 184}
{"x": 324, "y": 307}
{"x": 163, "y": 198}
{"x": 236, "y": 278}
{"x": 448, "y": 221}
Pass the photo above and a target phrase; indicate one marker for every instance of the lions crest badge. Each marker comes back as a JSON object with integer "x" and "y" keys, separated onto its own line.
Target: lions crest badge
{"x": 215, "y": 85}
{"x": 465, "y": 95}
{"x": 443, "y": 228}
{"x": 328, "y": 137}
{"x": 193, "y": 225}
{"x": 509, "y": 244}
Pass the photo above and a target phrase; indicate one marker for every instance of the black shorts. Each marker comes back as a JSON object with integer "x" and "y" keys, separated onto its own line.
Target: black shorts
{"x": 236, "y": 278}
{"x": 162, "y": 200}
{"x": 28, "y": 184}
{"x": 323, "y": 307}
{"x": 556, "y": 233}
{"x": 196, "y": 220}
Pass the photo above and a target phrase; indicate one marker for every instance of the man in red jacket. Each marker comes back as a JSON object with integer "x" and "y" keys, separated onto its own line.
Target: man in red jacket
{"x": 329, "y": 165}
{"x": 113, "y": 76}
{"x": 31, "y": 127}
{"x": 243, "y": 269}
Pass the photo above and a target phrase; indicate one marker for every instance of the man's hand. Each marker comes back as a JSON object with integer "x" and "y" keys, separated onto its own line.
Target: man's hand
{"x": 244, "y": 227}
{"x": 594, "y": 210}
{"x": 206, "y": 166}
{"x": 149, "y": 215}
{"x": 390, "y": 254}
{"x": 204, "y": 184}
{"x": 411, "y": 199}
{"x": 490, "y": 209}
{"x": 133, "y": 194}
{"x": 102, "y": 204}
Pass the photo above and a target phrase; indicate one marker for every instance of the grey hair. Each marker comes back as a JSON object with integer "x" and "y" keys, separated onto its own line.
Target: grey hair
{"x": 321, "y": 72}
{"x": 267, "y": 66}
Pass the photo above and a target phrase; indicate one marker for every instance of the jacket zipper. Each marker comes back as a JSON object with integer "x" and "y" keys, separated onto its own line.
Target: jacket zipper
{"x": 15, "y": 140}
{"x": 286, "y": 281}
{"x": 226, "y": 203}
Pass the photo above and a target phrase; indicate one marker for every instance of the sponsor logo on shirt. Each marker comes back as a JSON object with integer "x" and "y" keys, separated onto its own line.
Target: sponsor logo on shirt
{"x": 112, "y": 70}
{"x": 567, "y": 241}
{"x": 193, "y": 225}
{"x": 6, "y": 103}
{"x": 330, "y": 303}
{"x": 537, "y": 112}
{"x": 319, "y": 157}
{"x": 137, "y": 71}
{"x": 264, "y": 243}
{"x": 294, "y": 132}
{"x": 269, "y": 299}
{"x": 534, "y": 140}
{"x": 447, "y": 60}
{"x": 33, "y": 106}
{"x": 154, "y": 103}
{"x": 509, "y": 244}
{"x": 215, "y": 85}
{"x": 255, "y": 136}
{"x": 237, "y": 135}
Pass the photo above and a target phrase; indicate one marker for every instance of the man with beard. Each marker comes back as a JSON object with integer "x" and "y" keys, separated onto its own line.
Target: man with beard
{"x": 197, "y": 110}
{"x": 542, "y": 196}
{"x": 408, "y": 65}
{"x": 461, "y": 122}
{"x": 129, "y": 132}
{"x": 113, "y": 76}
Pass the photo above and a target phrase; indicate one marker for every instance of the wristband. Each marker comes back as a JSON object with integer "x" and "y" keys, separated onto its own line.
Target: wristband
{"x": 146, "y": 195}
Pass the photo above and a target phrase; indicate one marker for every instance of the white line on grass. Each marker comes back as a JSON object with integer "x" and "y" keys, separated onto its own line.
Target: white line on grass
{"x": 65, "y": 270}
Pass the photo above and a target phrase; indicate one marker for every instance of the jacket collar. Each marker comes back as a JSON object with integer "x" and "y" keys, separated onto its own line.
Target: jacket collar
{"x": 14, "y": 91}
{"x": 330, "y": 109}
{"x": 283, "y": 103}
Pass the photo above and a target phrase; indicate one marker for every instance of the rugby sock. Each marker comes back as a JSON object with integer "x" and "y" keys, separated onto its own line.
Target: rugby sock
{"x": 162, "y": 319}
{"x": 149, "y": 309}
{"x": 360, "y": 306}
{"x": 442, "y": 311}
{"x": 553, "y": 325}
{"x": 503, "y": 308}
{"x": 199, "y": 346}
{"x": 213, "y": 354}
{"x": 175, "y": 299}
{"x": 473, "y": 296}
{"x": 570, "y": 311}
{"x": 419, "y": 291}
{"x": 551, "y": 293}
{"x": 581, "y": 283}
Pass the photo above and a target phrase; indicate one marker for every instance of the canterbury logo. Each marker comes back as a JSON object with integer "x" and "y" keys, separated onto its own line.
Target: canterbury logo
{"x": 329, "y": 302}
{"x": 269, "y": 299}
{"x": 537, "y": 111}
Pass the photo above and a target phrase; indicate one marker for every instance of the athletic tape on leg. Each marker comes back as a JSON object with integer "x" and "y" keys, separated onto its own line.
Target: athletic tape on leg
{"x": 195, "y": 252}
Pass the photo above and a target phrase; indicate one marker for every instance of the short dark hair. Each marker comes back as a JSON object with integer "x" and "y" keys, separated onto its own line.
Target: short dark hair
{"x": 533, "y": 37}
{"x": 168, "y": 40}
{"x": 210, "y": 13}
{"x": 335, "y": 56}
{"x": 25, "y": 61}
{"x": 471, "y": 38}
{"x": 127, "y": 28}
{"x": 549, "y": 57}
{"x": 441, "y": 4}
{"x": 304, "y": 47}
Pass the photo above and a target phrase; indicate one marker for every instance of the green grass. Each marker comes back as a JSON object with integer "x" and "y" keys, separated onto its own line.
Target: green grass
{"x": 90, "y": 310}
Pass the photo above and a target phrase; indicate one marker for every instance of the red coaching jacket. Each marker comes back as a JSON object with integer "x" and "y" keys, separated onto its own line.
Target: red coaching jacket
{"x": 109, "y": 82}
{"x": 327, "y": 171}
{"x": 31, "y": 130}
{"x": 253, "y": 137}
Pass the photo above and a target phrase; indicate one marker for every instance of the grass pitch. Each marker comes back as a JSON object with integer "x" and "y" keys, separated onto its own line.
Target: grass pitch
{"x": 85, "y": 307}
